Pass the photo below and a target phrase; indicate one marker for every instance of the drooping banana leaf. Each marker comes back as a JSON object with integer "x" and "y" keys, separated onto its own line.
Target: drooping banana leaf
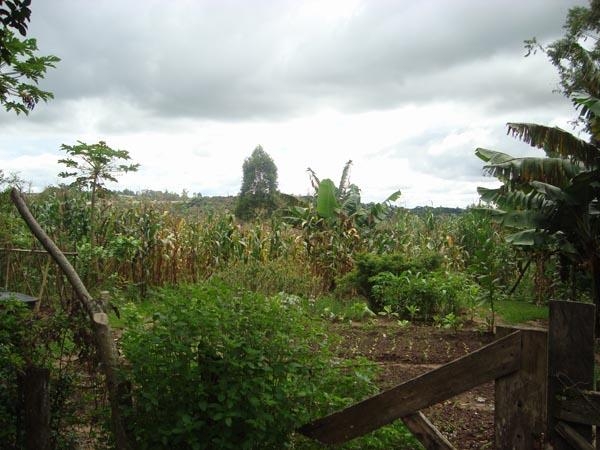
{"x": 351, "y": 200}
{"x": 526, "y": 198}
{"x": 553, "y": 193}
{"x": 556, "y": 142}
{"x": 518, "y": 171}
{"x": 490, "y": 195}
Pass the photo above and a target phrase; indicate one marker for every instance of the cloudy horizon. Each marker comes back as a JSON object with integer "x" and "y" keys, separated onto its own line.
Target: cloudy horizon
{"x": 406, "y": 90}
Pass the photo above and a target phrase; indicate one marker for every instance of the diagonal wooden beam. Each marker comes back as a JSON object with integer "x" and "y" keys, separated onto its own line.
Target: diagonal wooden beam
{"x": 488, "y": 363}
{"x": 426, "y": 433}
{"x": 573, "y": 438}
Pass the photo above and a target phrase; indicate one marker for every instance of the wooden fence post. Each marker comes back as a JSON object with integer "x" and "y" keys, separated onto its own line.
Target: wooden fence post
{"x": 33, "y": 384}
{"x": 570, "y": 362}
{"x": 520, "y": 397}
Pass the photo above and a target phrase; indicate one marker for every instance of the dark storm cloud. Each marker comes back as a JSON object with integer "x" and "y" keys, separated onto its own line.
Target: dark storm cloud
{"x": 263, "y": 59}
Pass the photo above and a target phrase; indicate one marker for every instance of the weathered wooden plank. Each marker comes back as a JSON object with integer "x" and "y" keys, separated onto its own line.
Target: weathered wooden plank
{"x": 572, "y": 437}
{"x": 582, "y": 407}
{"x": 570, "y": 361}
{"x": 490, "y": 362}
{"x": 520, "y": 397}
{"x": 426, "y": 432}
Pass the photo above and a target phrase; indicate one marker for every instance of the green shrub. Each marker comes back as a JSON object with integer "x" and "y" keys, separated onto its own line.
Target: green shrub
{"x": 421, "y": 295}
{"x": 13, "y": 317}
{"x": 30, "y": 341}
{"x": 368, "y": 265}
{"x": 221, "y": 368}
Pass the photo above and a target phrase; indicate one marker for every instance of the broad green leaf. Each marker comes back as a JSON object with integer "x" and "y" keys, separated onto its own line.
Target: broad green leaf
{"x": 551, "y": 192}
{"x": 529, "y": 237}
{"x": 326, "y": 199}
{"x": 393, "y": 197}
{"x": 491, "y": 156}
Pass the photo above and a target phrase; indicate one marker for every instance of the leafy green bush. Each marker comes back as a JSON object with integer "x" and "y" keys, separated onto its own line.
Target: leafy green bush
{"x": 13, "y": 316}
{"x": 221, "y": 368}
{"x": 30, "y": 341}
{"x": 421, "y": 295}
{"x": 368, "y": 265}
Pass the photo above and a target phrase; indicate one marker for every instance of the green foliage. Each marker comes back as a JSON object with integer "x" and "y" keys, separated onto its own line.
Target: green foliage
{"x": 271, "y": 277}
{"x": 336, "y": 310}
{"x": 519, "y": 312}
{"x": 326, "y": 199}
{"x": 369, "y": 265}
{"x": 14, "y": 14}
{"x": 93, "y": 165}
{"x": 64, "y": 213}
{"x": 258, "y": 194}
{"x": 28, "y": 340}
{"x": 20, "y": 68}
{"x": 219, "y": 368}
{"x": 549, "y": 203}
{"x": 13, "y": 316}
{"x": 450, "y": 320}
{"x": 576, "y": 55}
{"x": 421, "y": 295}
{"x": 253, "y": 206}
{"x": 21, "y": 73}
{"x": 336, "y": 225}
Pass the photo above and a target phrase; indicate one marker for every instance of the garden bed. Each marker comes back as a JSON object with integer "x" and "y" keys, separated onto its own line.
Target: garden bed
{"x": 467, "y": 420}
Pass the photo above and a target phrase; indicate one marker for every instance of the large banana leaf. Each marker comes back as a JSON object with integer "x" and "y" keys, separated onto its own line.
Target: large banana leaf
{"x": 518, "y": 171}
{"x": 530, "y": 237}
{"x": 326, "y": 199}
{"x": 492, "y": 156}
{"x": 393, "y": 197}
{"x": 522, "y": 219}
{"x": 350, "y": 203}
{"x": 524, "y": 198}
{"x": 553, "y": 193}
{"x": 590, "y": 106}
{"x": 556, "y": 142}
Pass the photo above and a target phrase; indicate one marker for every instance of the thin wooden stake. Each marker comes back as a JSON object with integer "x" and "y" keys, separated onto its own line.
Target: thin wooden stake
{"x": 106, "y": 347}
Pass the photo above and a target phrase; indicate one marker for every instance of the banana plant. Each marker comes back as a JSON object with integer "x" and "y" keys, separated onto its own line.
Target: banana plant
{"x": 550, "y": 201}
{"x": 335, "y": 224}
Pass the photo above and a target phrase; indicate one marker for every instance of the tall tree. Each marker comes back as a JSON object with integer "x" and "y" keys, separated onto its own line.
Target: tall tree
{"x": 258, "y": 193}
{"x": 20, "y": 68}
{"x": 576, "y": 57}
{"x": 92, "y": 166}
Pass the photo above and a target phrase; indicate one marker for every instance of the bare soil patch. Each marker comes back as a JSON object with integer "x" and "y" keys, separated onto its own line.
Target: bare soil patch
{"x": 467, "y": 420}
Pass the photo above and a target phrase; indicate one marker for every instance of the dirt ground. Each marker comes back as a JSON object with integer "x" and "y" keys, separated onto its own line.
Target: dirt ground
{"x": 466, "y": 420}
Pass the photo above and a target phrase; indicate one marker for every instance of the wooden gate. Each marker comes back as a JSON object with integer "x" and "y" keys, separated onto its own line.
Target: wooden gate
{"x": 543, "y": 389}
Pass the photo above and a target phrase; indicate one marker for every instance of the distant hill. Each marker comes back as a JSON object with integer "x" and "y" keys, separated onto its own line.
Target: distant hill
{"x": 437, "y": 210}
{"x": 224, "y": 204}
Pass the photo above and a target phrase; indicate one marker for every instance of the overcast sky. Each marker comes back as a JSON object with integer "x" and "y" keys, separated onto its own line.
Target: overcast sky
{"x": 406, "y": 89}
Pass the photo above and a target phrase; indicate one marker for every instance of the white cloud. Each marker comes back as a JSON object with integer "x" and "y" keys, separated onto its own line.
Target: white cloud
{"x": 407, "y": 90}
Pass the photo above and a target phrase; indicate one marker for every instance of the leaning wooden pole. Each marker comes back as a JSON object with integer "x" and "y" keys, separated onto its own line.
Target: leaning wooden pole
{"x": 99, "y": 320}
